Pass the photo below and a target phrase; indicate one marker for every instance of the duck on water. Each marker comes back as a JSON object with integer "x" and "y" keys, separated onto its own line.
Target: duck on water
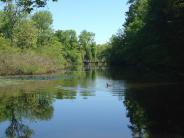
{"x": 108, "y": 85}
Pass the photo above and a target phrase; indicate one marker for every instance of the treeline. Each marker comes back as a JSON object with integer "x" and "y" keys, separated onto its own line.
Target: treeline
{"x": 152, "y": 35}
{"x": 29, "y": 45}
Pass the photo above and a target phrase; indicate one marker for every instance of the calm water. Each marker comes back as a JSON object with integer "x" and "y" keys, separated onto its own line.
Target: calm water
{"x": 78, "y": 104}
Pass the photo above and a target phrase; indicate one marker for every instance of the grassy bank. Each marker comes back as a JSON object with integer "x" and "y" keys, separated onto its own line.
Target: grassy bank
{"x": 31, "y": 65}
{"x": 15, "y": 61}
{"x": 26, "y": 63}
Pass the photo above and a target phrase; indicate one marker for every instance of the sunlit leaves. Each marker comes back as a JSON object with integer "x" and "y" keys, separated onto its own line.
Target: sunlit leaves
{"x": 25, "y": 35}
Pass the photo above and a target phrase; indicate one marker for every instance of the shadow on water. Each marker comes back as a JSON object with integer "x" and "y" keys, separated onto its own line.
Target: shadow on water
{"x": 154, "y": 101}
{"x": 156, "y": 111}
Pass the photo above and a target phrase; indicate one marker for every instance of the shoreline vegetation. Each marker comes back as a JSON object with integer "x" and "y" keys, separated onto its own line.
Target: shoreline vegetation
{"x": 151, "y": 38}
{"x": 15, "y": 62}
{"x": 29, "y": 45}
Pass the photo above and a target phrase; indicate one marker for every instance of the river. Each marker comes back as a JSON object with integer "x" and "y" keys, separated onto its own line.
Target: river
{"x": 92, "y": 103}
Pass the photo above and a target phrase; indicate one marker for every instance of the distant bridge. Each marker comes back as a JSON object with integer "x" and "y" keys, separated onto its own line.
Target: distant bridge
{"x": 93, "y": 62}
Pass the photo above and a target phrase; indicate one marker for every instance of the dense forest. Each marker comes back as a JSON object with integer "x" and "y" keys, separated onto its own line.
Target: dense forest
{"x": 29, "y": 44}
{"x": 152, "y": 35}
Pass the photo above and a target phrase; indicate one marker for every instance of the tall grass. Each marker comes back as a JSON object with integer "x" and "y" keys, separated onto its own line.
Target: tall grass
{"x": 26, "y": 63}
{"x": 15, "y": 61}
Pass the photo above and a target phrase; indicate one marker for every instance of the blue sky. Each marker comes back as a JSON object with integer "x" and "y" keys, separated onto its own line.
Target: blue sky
{"x": 103, "y": 17}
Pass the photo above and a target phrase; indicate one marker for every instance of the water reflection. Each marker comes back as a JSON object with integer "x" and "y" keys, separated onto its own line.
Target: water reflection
{"x": 31, "y": 106}
{"x": 28, "y": 99}
{"x": 156, "y": 111}
{"x": 153, "y": 105}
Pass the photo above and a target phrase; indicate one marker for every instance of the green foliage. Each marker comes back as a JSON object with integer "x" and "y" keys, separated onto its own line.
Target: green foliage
{"x": 152, "y": 35}
{"x": 87, "y": 45}
{"x": 10, "y": 16}
{"x": 4, "y": 43}
{"x": 93, "y": 50}
{"x": 25, "y": 35}
{"x": 73, "y": 57}
{"x": 28, "y": 5}
{"x": 14, "y": 62}
{"x": 54, "y": 51}
{"x": 28, "y": 44}
{"x": 43, "y": 21}
{"x": 68, "y": 38}
{"x": 44, "y": 37}
{"x": 70, "y": 50}
{"x": 102, "y": 52}
{"x": 86, "y": 39}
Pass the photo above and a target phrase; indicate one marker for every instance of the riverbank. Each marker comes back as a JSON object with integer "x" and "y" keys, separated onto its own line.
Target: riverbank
{"x": 29, "y": 62}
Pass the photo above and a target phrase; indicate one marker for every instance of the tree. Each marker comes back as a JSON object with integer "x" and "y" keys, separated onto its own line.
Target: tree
{"x": 10, "y": 16}
{"x": 25, "y": 35}
{"x": 93, "y": 51}
{"x": 152, "y": 35}
{"x": 102, "y": 52}
{"x": 14, "y": 10}
{"x": 86, "y": 39}
{"x": 43, "y": 21}
{"x": 28, "y": 5}
{"x": 68, "y": 38}
{"x": 86, "y": 42}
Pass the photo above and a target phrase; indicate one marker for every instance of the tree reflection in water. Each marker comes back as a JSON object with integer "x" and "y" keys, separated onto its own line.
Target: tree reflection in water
{"x": 33, "y": 100}
{"x": 154, "y": 102}
{"x": 30, "y": 106}
{"x": 156, "y": 111}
